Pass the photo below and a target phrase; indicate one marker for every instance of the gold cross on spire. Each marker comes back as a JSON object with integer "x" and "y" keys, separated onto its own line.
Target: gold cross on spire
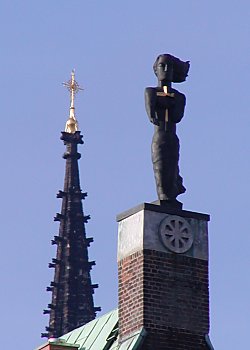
{"x": 73, "y": 87}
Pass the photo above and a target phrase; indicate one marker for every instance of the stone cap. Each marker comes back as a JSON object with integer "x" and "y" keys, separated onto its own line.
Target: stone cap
{"x": 162, "y": 209}
{"x": 58, "y": 344}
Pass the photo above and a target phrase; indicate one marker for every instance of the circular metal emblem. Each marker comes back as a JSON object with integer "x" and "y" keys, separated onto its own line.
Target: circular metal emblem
{"x": 176, "y": 234}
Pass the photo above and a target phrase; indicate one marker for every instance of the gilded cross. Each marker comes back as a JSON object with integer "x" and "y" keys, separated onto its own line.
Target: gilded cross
{"x": 165, "y": 93}
{"x": 73, "y": 87}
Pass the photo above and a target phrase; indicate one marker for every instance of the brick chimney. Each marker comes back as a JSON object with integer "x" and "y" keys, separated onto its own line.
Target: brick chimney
{"x": 163, "y": 277}
{"x": 58, "y": 344}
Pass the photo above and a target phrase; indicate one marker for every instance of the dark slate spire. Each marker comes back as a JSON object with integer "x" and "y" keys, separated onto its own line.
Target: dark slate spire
{"x": 72, "y": 291}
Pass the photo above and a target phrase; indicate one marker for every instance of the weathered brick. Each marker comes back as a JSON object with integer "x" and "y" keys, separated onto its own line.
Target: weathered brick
{"x": 168, "y": 295}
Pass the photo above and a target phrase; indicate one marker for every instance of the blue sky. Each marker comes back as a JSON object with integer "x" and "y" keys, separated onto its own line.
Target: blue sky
{"x": 112, "y": 45}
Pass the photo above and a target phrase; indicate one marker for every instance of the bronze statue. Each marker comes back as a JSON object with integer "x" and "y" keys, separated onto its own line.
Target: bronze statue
{"x": 165, "y": 107}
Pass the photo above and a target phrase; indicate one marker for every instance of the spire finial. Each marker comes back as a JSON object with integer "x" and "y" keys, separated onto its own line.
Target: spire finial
{"x": 73, "y": 87}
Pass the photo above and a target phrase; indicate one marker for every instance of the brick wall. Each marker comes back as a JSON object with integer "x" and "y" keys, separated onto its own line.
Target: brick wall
{"x": 131, "y": 294}
{"x": 175, "y": 339}
{"x": 167, "y": 293}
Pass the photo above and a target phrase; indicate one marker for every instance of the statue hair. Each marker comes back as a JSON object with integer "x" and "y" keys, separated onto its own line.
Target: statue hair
{"x": 180, "y": 68}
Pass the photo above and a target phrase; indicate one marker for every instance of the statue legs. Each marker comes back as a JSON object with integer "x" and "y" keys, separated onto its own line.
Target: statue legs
{"x": 165, "y": 158}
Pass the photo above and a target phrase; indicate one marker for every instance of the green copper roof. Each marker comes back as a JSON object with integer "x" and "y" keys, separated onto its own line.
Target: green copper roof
{"x": 132, "y": 343}
{"x": 101, "y": 334}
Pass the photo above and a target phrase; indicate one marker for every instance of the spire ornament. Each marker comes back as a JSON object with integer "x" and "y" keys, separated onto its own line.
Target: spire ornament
{"x": 73, "y": 87}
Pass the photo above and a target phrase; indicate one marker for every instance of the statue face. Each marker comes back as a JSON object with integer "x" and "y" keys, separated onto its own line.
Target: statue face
{"x": 164, "y": 70}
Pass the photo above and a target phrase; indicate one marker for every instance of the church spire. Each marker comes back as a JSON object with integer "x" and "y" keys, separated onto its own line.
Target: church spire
{"x": 72, "y": 291}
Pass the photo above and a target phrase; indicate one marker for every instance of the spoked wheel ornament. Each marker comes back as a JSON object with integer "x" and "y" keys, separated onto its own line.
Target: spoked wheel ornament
{"x": 176, "y": 234}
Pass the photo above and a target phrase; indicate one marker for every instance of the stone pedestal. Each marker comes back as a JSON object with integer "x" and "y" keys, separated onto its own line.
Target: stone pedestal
{"x": 163, "y": 277}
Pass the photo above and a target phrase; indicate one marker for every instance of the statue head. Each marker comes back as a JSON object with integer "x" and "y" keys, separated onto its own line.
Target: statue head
{"x": 170, "y": 68}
